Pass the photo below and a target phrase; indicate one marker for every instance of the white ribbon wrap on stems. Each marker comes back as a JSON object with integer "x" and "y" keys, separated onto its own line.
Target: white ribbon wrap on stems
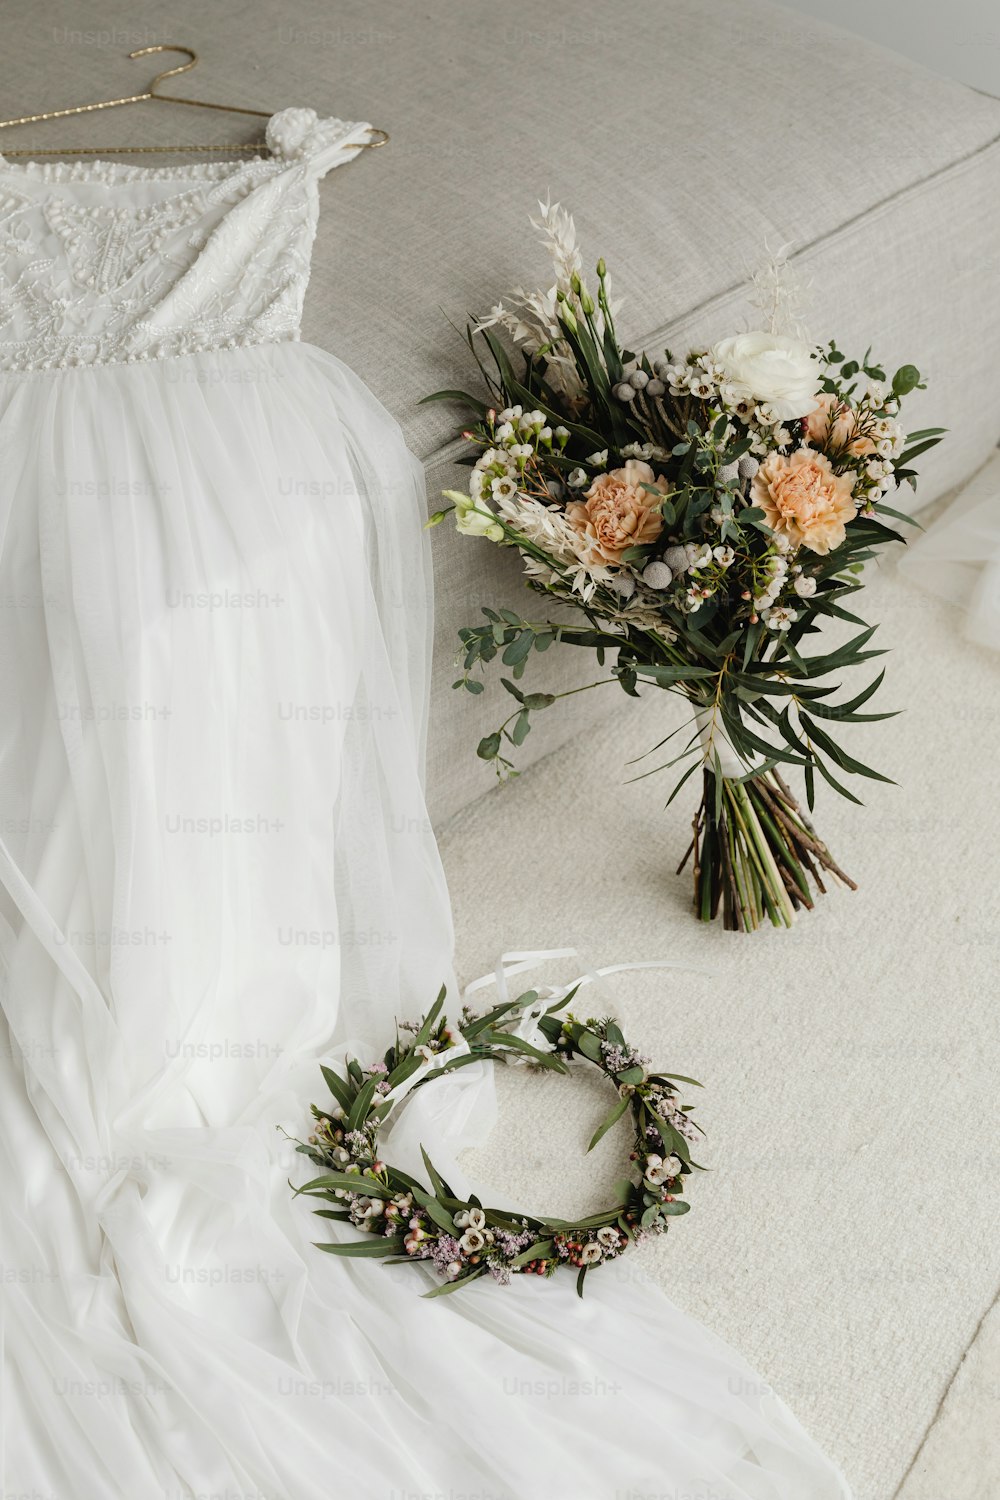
{"x": 715, "y": 742}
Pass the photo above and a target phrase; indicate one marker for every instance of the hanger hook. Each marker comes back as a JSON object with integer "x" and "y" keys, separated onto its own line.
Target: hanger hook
{"x": 170, "y": 72}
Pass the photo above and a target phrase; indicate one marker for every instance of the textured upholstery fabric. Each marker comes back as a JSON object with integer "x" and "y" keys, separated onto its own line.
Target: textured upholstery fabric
{"x": 683, "y": 136}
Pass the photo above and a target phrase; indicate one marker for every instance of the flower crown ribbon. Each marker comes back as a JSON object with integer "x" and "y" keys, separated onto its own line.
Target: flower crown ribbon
{"x": 511, "y": 965}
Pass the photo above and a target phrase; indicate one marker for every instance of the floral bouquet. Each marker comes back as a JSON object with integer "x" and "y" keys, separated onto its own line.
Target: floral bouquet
{"x": 705, "y": 513}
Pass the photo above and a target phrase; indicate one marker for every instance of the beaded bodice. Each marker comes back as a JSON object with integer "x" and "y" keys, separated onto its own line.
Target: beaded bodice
{"x": 102, "y": 262}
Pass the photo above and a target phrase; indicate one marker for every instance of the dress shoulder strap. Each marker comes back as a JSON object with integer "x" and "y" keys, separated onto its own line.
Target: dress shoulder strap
{"x": 299, "y": 135}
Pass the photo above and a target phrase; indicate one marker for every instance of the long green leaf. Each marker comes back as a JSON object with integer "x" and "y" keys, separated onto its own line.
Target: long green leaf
{"x": 817, "y": 666}
{"x": 541, "y": 1250}
{"x": 405, "y": 1069}
{"x": 611, "y": 1118}
{"x": 337, "y": 1087}
{"x": 455, "y": 1286}
{"x": 442, "y": 1218}
{"x": 423, "y": 1036}
{"x": 461, "y": 397}
{"x": 685, "y": 673}
{"x": 438, "y": 1183}
{"x": 829, "y": 777}
{"x": 842, "y": 759}
{"x": 349, "y": 1182}
{"x": 909, "y": 454}
{"x": 374, "y": 1248}
{"x": 360, "y": 1106}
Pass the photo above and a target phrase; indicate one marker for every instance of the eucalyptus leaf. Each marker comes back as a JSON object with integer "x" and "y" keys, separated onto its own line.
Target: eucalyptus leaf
{"x": 373, "y": 1248}
{"x": 609, "y": 1120}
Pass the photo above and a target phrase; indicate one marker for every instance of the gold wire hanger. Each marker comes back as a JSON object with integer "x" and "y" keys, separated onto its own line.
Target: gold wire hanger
{"x": 151, "y": 93}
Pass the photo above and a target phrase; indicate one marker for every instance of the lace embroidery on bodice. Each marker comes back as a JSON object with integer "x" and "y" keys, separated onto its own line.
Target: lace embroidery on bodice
{"x": 102, "y": 262}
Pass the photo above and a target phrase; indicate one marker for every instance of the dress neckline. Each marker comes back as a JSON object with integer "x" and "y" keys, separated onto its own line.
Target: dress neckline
{"x": 113, "y": 173}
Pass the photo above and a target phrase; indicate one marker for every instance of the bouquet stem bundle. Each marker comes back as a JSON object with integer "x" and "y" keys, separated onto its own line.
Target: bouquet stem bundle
{"x": 754, "y": 853}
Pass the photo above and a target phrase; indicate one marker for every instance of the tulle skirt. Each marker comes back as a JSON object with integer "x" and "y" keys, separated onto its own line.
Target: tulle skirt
{"x": 215, "y": 869}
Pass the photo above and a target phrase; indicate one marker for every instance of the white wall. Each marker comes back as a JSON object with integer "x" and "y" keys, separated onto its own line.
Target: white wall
{"x": 960, "y": 38}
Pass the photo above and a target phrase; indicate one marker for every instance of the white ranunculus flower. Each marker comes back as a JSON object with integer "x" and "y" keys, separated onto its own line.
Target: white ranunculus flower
{"x": 771, "y": 368}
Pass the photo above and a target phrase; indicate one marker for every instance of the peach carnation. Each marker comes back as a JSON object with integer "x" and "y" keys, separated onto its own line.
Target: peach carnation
{"x": 618, "y": 513}
{"x": 804, "y": 499}
{"x": 834, "y": 425}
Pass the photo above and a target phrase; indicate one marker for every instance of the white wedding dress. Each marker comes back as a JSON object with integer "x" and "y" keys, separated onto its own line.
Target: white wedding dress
{"x": 216, "y": 868}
